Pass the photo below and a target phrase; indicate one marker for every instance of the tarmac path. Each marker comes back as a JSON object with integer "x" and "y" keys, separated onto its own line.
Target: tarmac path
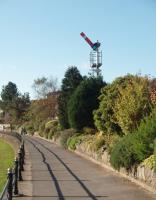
{"x": 58, "y": 174}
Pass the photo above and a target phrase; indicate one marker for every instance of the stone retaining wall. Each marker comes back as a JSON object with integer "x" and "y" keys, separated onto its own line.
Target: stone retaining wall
{"x": 142, "y": 175}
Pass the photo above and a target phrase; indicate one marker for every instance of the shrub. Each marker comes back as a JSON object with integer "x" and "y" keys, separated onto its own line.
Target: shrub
{"x": 122, "y": 154}
{"x": 41, "y": 129}
{"x": 111, "y": 141}
{"x": 129, "y": 93}
{"x": 41, "y": 134}
{"x": 74, "y": 140}
{"x": 51, "y": 124}
{"x": 56, "y": 135}
{"x": 149, "y": 162}
{"x": 30, "y": 128}
{"x": 50, "y": 134}
{"x": 135, "y": 100}
{"x": 65, "y": 135}
{"x": 82, "y": 103}
{"x": 46, "y": 132}
{"x": 134, "y": 148}
{"x": 51, "y": 127}
{"x": 146, "y": 134}
{"x": 152, "y": 89}
{"x": 88, "y": 140}
{"x": 104, "y": 118}
{"x": 89, "y": 131}
{"x": 97, "y": 142}
{"x": 36, "y": 126}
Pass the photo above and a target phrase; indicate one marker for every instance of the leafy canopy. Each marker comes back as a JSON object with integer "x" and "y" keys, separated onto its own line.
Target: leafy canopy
{"x": 104, "y": 116}
{"x": 9, "y": 92}
{"x": 122, "y": 105}
{"x": 44, "y": 86}
{"x": 83, "y": 101}
{"x": 70, "y": 82}
{"x": 13, "y": 103}
{"x": 133, "y": 104}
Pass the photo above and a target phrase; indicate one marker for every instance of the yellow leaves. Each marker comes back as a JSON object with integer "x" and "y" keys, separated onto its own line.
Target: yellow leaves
{"x": 149, "y": 162}
{"x": 132, "y": 103}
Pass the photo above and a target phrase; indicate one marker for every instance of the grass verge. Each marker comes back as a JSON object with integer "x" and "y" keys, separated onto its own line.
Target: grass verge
{"x": 6, "y": 160}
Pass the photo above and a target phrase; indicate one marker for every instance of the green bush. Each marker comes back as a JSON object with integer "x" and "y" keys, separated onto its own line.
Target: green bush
{"x": 65, "y": 135}
{"x": 41, "y": 134}
{"x": 74, "y": 140}
{"x": 135, "y": 100}
{"x": 56, "y": 135}
{"x": 122, "y": 154}
{"x": 51, "y": 124}
{"x": 145, "y": 136}
{"x": 104, "y": 116}
{"x": 134, "y": 148}
{"x": 50, "y": 128}
{"x": 123, "y": 104}
{"x": 111, "y": 141}
{"x": 89, "y": 131}
{"x": 97, "y": 142}
{"x": 50, "y": 134}
{"x": 83, "y": 101}
{"x": 30, "y": 128}
{"x": 41, "y": 129}
{"x": 149, "y": 162}
{"x": 46, "y": 133}
{"x": 36, "y": 126}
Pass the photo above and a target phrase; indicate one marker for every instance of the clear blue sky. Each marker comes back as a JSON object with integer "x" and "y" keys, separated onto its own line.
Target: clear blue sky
{"x": 41, "y": 37}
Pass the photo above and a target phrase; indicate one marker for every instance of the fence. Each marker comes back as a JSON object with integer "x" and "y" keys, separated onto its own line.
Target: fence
{"x": 15, "y": 173}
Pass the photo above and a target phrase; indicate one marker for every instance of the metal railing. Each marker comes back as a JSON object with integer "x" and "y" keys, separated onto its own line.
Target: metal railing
{"x": 14, "y": 173}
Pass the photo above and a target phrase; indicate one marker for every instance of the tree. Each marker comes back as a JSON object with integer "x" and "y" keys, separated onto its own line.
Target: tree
{"x": 13, "y": 103}
{"x": 44, "y": 86}
{"x": 42, "y": 110}
{"x": 133, "y": 104}
{"x": 152, "y": 90}
{"x": 45, "y": 107}
{"x": 104, "y": 116}
{"x": 70, "y": 82}
{"x": 83, "y": 101}
{"x": 20, "y": 106}
{"x": 123, "y": 104}
{"x": 9, "y": 94}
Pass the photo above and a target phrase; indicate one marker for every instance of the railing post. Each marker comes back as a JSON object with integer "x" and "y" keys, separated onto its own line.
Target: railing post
{"x": 23, "y": 150}
{"x": 19, "y": 166}
{"x": 10, "y": 183}
{"x": 22, "y": 158}
{"x": 16, "y": 177}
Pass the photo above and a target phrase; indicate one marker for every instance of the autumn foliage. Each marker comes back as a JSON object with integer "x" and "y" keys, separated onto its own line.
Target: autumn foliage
{"x": 42, "y": 110}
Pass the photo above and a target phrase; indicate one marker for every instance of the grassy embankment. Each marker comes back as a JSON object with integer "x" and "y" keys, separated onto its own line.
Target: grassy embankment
{"x": 6, "y": 160}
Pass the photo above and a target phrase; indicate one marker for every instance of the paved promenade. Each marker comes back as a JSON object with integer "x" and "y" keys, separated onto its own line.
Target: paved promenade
{"x": 57, "y": 174}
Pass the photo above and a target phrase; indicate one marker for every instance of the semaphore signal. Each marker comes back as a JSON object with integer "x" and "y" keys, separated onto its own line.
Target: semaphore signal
{"x": 95, "y": 55}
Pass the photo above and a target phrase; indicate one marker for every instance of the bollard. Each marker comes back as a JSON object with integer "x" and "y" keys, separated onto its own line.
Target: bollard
{"x": 10, "y": 183}
{"x": 19, "y": 166}
{"x": 16, "y": 177}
